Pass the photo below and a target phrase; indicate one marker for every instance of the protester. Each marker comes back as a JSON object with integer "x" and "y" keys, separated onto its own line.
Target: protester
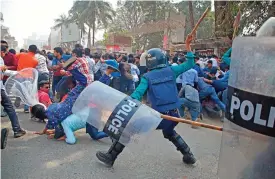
{"x": 135, "y": 73}
{"x": 56, "y": 67}
{"x": 57, "y": 112}
{"x": 7, "y": 104}
{"x": 162, "y": 92}
{"x": 126, "y": 79}
{"x": 43, "y": 94}
{"x": 42, "y": 67}
{"x": 12, "y": 51}
{"x": 214, "y": 60}
{"x": 73, "y": 122}
{"x": 175, "y": 61}
{"x": 207, "y": 90}
{"x": 100, "y": 66}
{"x": 189, "y": 96}
{"x": 26, "y": 60}
{"x": 90, "y": 61}
{"x": 209, "y": 67}
{"x": 9, "y": 58}
{"x": 198, "y": 68}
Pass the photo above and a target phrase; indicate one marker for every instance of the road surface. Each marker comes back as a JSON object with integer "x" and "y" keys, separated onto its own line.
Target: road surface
{"x": 36, "y": 157}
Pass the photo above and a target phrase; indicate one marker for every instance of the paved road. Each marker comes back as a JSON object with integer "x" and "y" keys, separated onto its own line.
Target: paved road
{"x": 34, "y": 156}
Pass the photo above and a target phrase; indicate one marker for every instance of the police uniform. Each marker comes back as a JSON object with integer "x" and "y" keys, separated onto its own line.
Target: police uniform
{"x": 160, "y": 85}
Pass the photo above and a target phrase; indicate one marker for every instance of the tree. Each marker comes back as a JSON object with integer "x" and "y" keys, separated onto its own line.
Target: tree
{"x": 205, "y": 29}
{"x": 61, "y": 21}
{"x": 254, "y": 14}
{"x": 75, "y": 16}
{"x": 94, "y": 14}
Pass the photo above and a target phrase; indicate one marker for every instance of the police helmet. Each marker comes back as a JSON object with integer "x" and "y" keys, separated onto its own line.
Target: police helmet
{"x": 155, "y": 58}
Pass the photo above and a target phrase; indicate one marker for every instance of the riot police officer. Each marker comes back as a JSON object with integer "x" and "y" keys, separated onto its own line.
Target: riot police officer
{"x": 160, "y": 83}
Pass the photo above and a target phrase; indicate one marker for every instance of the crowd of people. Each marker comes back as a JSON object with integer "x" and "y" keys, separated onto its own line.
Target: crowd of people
{"x": 64, "y": 75}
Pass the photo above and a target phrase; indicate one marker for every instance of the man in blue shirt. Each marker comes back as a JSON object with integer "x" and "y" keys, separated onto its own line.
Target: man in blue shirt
{"x": 206, "y": 90}
{"x": 197, "y": 67}
{"x": 189, "y": 96}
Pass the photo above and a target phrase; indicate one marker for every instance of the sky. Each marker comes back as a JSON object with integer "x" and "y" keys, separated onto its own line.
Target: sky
{"x": 24, "y": 17}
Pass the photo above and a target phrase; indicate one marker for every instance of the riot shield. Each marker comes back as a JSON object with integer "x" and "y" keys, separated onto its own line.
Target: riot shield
{"x": 24, "y": 85}
{"x": 117, "y": 114}
{"x": 248, "y": 143}
{"x": 267, "y": 29}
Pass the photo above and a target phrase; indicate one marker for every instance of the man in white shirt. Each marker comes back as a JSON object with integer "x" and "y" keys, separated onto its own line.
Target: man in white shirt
{"x": 91, "y": 62}
{"x": 214, "y": 60}
{"x": 42, "y": 68}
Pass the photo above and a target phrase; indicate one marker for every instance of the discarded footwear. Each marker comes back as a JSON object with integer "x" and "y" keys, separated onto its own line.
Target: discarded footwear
{"x": 4, "y": 137}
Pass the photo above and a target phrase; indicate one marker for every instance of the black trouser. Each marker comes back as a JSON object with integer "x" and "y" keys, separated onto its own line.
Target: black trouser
{"x": 8, "y": 107}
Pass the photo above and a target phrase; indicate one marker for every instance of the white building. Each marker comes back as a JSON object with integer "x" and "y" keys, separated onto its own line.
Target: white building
{"x": 65, "y": 36}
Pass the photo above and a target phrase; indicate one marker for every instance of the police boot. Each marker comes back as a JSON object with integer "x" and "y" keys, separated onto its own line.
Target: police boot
{"x": 109, "y": 157}
{"x": 181, "y": 145}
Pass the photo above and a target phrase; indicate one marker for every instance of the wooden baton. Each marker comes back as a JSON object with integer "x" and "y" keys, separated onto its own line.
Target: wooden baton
{"x": 176, "y": 119}
{"x": 200, "y": 20}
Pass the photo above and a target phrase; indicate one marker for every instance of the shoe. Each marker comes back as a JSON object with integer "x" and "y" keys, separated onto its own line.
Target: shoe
{"x": 189, "y": 159}
{"x": 20, "y": 133}
{"x": 108, "y": 158}
{"x": 26, "y": 111}
{"x": 181, "y": 146}
{"x": 4, "y": 137}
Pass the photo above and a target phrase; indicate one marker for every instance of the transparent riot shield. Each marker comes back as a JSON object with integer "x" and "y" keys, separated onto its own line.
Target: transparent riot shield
{"x": 117, "y": 114}
{"x": 248, "y": 143}
{"x": 24, "y": 84}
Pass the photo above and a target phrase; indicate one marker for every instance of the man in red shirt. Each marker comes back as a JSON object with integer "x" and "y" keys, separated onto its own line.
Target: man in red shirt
{"x": 43, "y": 94}
{"x": 9, "y": 59}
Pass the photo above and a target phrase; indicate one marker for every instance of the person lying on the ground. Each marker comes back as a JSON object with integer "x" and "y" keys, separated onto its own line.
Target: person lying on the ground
{"x": 74, "y": 123}
{"x": 57, "y": 112}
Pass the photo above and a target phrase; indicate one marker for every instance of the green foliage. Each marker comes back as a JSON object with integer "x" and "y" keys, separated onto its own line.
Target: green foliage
{"x": 132, "y": 14}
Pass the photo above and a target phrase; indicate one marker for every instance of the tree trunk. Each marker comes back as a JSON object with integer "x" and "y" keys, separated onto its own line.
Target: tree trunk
{"x": 94, "y": 33}
{"x": 191, "y": 13}
{"x": 94, "y": 19}
{"x": 89, "y": 38}
{"x": 223, "y": 19}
